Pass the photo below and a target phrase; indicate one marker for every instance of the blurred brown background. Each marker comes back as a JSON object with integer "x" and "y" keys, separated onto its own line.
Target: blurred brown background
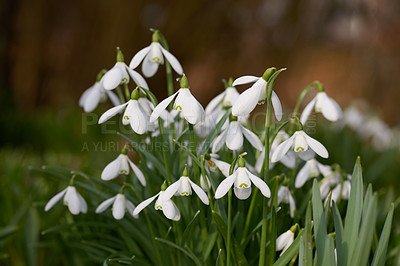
{"x": 51, "y": 50}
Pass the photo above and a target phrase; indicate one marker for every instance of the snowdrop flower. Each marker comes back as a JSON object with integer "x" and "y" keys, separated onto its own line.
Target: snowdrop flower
{"x": 212, "y": 164}
{"x": 285, "y": 196}
{"x": 241, "y": 180}
{"x": 190, "y": 108}
{"x": 184, "y": 186}
{"x": 223, "y": 100}
{"x": 120, "y": 166}
{"x": 300, "y": 142}
{"x": 232, "y": 136}
{"x": 134, "y": 114}
{"x": 72, "y": 199}
{"x": 153, "y": 56}
{"x": 341, "y": 188}
{"x": 311, "y": 169}
{"x": 247, "y": 101}
{"x": 322, "y": 103}
{"x": 96, "y": 94}
{"x": 284, "y": 241}
{"x": 163, "y": 203}
{"x": 119, "y": 74}
{"x": 119, "y": 205}
{"x": 289, "y": 160}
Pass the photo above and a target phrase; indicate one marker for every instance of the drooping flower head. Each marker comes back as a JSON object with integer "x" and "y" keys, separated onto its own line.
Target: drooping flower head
{"x": 119, "y": 205}
{"x": 257, "y": 93}
{"x": 120, "y": 73}
{"x": 241, "y": 180}
{"x": 189, "y": 107}
{"x": 311, "y": 169}
{"x": 153, "y": 56}
{"x": 121, "y": 166}
{"x": 285, "y": 196}
{"x": 284, "y": 241}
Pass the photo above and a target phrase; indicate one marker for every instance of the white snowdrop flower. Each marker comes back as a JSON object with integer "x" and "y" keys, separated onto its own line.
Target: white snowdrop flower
{"x": 163, "y": 203}
{"x": 203, "y": 184}
{"x": 241, "y": 180}
{"x": 340, "y": 191}
{"x": 353, "y": 118}
{"x": 322, "y": 103}
{"x": 119, "y": 205}
{"x": 184, "y": 186}
{"x": 232, "y": 136}
{"x": 223, "y": 100}
{"x": 72, "y": 199}
{"x": 247, "y": 101}
{"x": 120, "y": 166}
{"x": 190, "y": 108}
{"x": 284, "y": 241}
{"x": 378, "y": 132}
{"x": 153, "y": 56}
{"x": 311, "y": 169}
{"x": 300, "y": 142}
{"x": 120, "y": 73}
{"x": 135, "y": 115}
{"x": 212, "y": 164}
{"x": 328, "y": 182}
{"x": 285, "y": 196}
{"x": 289, "y": 160}
{"x": 91, "y": 97}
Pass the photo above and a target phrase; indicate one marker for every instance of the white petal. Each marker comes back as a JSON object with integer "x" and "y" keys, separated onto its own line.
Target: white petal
{"x": 306, "y": 155}
{"x": 84, "y": 96}
{"x": 234, "y": 137}
{"x": 248, "y": 100}
{"x": 282, "y": 149}
{"x": 214, "y": 103}
{"x": 173, "y": 61}
{"x": 219, "y": 141}
{"x": 202, "y": 195}
{"x": 72, "y": 200}
{"x": 105, "y": 204}
{"x": 118, "y": 209}
{"x": 276, "y": 104}
{"x": 192, "y": 110}
{"x": 171, "y": 190}
{"x": 306, "y": 112}
{"x": 112, "y": 78}
{"x": 302, "y": 176}
{"x": 171, "y": 211}
{"x": 111, "y": 112}
{"x": 260, "y": 184}
{"x": 245, "y": 80}
{"x": 324, "y": 169}
{"x": 144, "y": 204}
{"x": 225, "y": 185}
{"x": 83, "y": 204}
{"x": 317, "y": 146}
{"x": 124, "y": 166}
{"x": 139, "y": 119}
{"x": 330, "y": 109}
{"x": 113, "y": 98}
{"x": 137, "y": 78}
{"x": 138, "y": 173}
{"x": 138, "y": 57}
{"x": 242, "y": 193}
{"x": 111, "y": 171}
{"x": 292, "y": 205}
{"x": 54, "y": 200}
{"x": 283, "y": 240}
{"x": 149, "y": 68}
{"x": 92, "y": 100}
{"x": 222, "y": 166}
{"x": 130, "y": 208}
{"x": 252, "y": 138}
{"x": 161, "y": 106}
{"x": 126, "y": 117}
{"x": 289, "y": 160}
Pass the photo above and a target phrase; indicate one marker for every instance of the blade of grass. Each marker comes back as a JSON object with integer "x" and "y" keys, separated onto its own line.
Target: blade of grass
{"x": 320, "y": 231}
{"x": 380, "y": 252}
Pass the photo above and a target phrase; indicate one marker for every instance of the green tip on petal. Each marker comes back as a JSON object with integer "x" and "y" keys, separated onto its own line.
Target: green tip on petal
{"x": 156, "y": 36}
{"x": 101, "y": 74}
{"x": 267, "y": 74}
{"x": 125, "y": 149}
{"x": 164, "y": 186}
{"x": 233, "y": 118}
{"x": 120, "y": 56}
{"x": 241, "y": 162}
{"x": 186, "y": 171}
{"x": 184, "y": 82}
{"x": 135, "y": 94}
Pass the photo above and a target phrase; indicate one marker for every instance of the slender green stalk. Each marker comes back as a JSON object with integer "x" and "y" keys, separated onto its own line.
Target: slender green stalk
{"x": 127, "y": 93}
{"x": 120, "y": 94}
{"x": 164, "y": 152}
{"x": 193, "y": 149}
{"x": 168, "y": 69}
{"x": 228, "y": 241}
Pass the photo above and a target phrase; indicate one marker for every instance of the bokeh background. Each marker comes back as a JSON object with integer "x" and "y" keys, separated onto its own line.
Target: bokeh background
{"x": 51, "y": 51}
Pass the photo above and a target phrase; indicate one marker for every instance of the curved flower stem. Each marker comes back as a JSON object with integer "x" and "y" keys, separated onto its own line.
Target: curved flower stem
{"x": 300, "y": 99}
{"x": 228, "y": 241}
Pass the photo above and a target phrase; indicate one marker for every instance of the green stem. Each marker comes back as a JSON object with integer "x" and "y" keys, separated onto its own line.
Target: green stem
{"x": 164, "y": 152}
{"x": 120, "y": 95}
{"x": 228, "y": 241}
{"x": 193, "y": 149}
{"x": 168, "y": 70}
{"x": 127, "y": 93}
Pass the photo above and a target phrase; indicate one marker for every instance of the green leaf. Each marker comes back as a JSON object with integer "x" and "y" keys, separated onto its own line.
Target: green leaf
{"x": 194, "y": 157}
{"x": 290, "y": 252}
{"x": 302, "y": 255}
{"x": 329, "y": 256}
{"x": 189, "y": 228}
{"x": 7, "y": 231}
{"x": 380, "y": 252}
{"x": 307, "y": 258}
{"x": 319, "y": 223}
{"x": 353, "y": 215}
{"x": 213, "y": 134}
{"x": 190, "y": 255}
{"x": 237, "y": 252}
{"x": 338, "y": 230}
